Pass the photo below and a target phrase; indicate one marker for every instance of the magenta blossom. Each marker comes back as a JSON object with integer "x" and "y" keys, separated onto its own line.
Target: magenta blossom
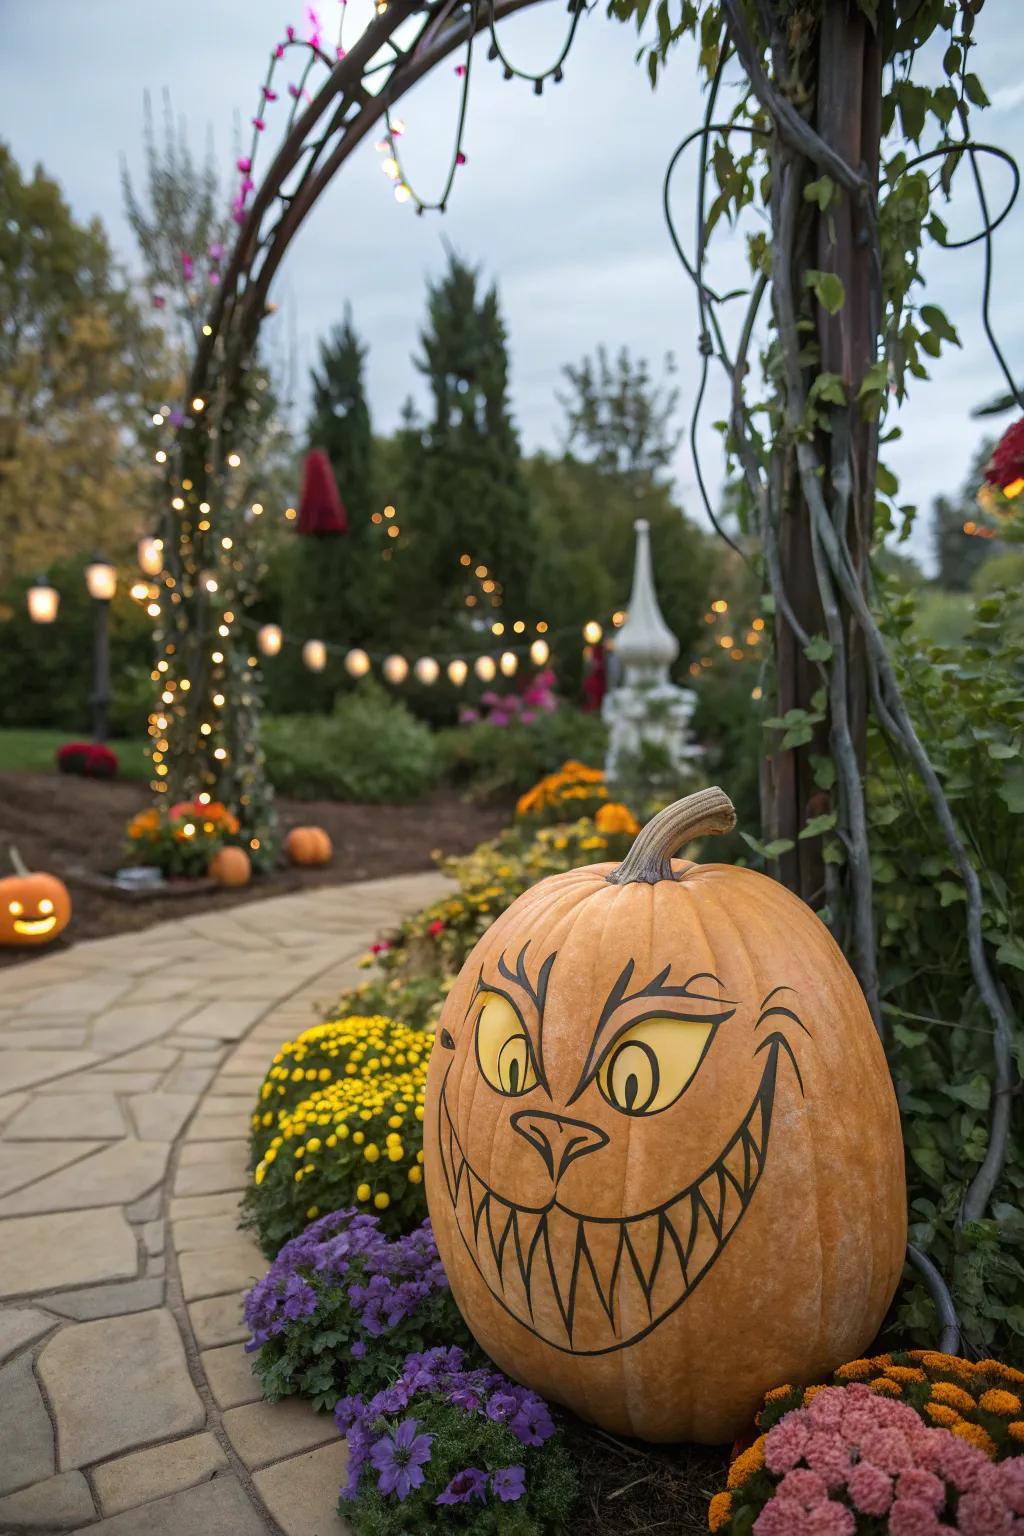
{"x": 258, "y": 124}
{"x": 244, "y": 164}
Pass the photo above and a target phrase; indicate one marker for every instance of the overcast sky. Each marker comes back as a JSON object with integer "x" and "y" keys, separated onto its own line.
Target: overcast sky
{"x": 560, "y": 199}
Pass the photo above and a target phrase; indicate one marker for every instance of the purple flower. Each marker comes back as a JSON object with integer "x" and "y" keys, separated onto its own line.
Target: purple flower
{"x": 216, "y": 249}
{"x": 509, "y": 1483}
{"x": 532, "y": 1425}
{"x": 501, "y": 1406}
{"x": 186, "y": 266}
{"x": 358, "y": 1349}
{"x": 471, "y": 1483}
{"x": 399, "y": 1459}
{"x": 347, "y": 1411}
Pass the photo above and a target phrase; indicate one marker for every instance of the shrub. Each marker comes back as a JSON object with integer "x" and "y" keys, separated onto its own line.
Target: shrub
{"x": 851, "y": 1460}
{"x": 342, "y": 1305}
{"x": 354, "y": 1139}
{"x": 371, "y": 749}
{"x": 451, "y": 1448}
{"x": 87, "y": 760}
{"x": 496, "y": 761}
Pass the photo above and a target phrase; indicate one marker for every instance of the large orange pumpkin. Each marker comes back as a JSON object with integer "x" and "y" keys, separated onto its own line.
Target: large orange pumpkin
{"x": 230, "y": 866}
{"x": 309, "y": 845}
{"x": 34, "y": 908}
{"x": 662, "y": 1148}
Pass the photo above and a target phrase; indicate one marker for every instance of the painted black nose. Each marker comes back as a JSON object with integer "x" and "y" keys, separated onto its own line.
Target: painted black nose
{"x": 558, "y": 1139}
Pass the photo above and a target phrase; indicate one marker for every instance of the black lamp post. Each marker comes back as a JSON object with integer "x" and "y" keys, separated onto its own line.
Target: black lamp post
{"x": 101, "y": 579}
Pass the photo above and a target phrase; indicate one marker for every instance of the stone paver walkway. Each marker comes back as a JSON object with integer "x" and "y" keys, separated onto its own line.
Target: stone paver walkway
{"x": 128, "y": 1068}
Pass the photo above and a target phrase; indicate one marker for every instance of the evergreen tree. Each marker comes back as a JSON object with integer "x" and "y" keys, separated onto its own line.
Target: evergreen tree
{"x": 468, "y": 495}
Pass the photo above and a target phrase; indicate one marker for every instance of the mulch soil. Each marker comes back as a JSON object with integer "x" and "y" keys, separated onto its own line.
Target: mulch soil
{"x": 62, "y": 824}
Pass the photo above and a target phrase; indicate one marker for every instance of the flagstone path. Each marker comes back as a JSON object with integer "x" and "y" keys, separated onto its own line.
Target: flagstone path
{"x": 128, "y": 1068}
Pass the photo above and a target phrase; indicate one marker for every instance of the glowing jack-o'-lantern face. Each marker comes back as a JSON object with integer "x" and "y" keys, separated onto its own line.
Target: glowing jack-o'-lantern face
{"x": 662, "y": 1149}
{"x": 34, "y": 909}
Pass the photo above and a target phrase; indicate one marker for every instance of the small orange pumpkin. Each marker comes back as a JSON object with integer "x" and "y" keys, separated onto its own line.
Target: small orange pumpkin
{"x": 34, "y": 908}
{"x": 309, "y": 845}
{"x": 230, "y": 866}
{"x": 662, "y": 1149}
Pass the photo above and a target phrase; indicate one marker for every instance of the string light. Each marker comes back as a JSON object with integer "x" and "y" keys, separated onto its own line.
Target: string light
{"x": 160, "y": 456}
{"x": 395, "y": 669}
{"x": 427, "y": 670}
{"x": 509, "y": 663}
{"x": 151, "y": 555}
{"x": 720, "y": 605}
{"x": 198, "y": 404}
{"x": 539, "y": 652}
{"x": 458, "y": 671}
{"x": 357, "y": 663}
{"x": 485, "y": 668}
{"x": 234, "y": 459}
{"x": 269, "y": 639}
{"x": 314, "y": 654}
{"x": 592, "y": 632}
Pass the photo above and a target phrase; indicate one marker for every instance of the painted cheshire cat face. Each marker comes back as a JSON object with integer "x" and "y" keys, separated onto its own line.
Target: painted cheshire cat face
{"x": 662, "y": 1149}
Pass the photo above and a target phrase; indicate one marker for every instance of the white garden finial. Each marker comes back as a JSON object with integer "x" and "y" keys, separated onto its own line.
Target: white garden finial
{"x": 645, "y": 645}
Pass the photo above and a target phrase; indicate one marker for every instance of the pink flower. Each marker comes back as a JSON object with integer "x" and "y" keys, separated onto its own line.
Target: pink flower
{"x": 869, "y": 1488}
{"x": 912, "y": 1517}
{"x": 268, "y": 94}
{"x": 436, "y": 927}
{"x": 957, "y": 1461}
{"x": 528, "y": 717}
{"x": 830, "y": 1520}
{"x": 888, "y": 1449}
{"x": 460, "y": 70}
{"x": 829, "y": 1456}
{"x": 290, "y": 34}
{"x": 279, "y": 51}
{"x": 803, "y": 1487}
{"x": 460, "y": 158}
{"x": 187, "y": 266}
{"x": 781, "y": 1517}
{"x": 917, "y": 1483}
{"x": 216, "y": 251}
{"x": 786, "y": 1441}
{"x": 244, "y": 164}
{"x": 258, "y": 124}
{"x": 380, "y": 948}
{"x": 340, "y": 51}
{"x": 1011, "y": 1478}
{"x": 214, "y": 279}
{"x": 983, "y": 1513}
{"x": 826, "y": 1408}
{"x": 247, "y": 184}
{"x": 159, "y": 302}
{"x": 294, "y": 91}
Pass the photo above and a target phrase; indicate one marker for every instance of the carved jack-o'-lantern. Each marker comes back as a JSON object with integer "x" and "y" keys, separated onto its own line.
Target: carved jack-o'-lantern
{"x": 663, "y": 1152}
{"x": 34, "y": 907}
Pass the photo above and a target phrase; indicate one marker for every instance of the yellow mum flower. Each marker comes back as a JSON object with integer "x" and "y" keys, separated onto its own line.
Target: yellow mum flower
{"x": 363, "y": 1192}
{"x": 415, "y": 1176}
{"x": 382, "y": 1200}
{"x": 371, "y": 1153}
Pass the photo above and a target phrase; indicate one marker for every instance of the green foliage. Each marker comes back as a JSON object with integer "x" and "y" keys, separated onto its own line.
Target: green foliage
{"x": 618, "y": 420}
{"x": 493, "y": 762}
{"x": 370, "y": 749}
{"x": 969, "y": 706}
{"x": 729, "y": 724}
{"x": 46, "y": 669}
{"x": 463, "y": 1440}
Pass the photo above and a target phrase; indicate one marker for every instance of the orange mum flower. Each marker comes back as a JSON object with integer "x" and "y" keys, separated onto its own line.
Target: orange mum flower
{"x": 905, "y": 1373}
{"x": 883, "y": 1387}
{"x": 747, "y": 1463}
{"x": 616, "y": 817}
{"x": 954, "y": 1396}
{"x": 975, "y": 1435}
{"x": 810, "y": 1393}
{"x": 941, "y": 1415}
{"x": 776, "y": 1393}
{"x": 855, "y": 1370}
{"x": 1016, "y": 1430}
{"x": 719, "y": 1511}
{"x": 1003, "y": 1372}
{"x": 996, "y": 1401}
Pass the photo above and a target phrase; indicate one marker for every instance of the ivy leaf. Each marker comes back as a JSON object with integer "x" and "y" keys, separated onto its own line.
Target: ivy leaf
{"x": 817, "y": 825}
{"x": 938, "y": 321}
{"x": 818, "y": 649}
{"x": 975, "y": 91}
{"x": 1011, "y": 792}
{"x": 976, "y": 1093}
{"x": 770, "y": 850}
{"x": 1001, "y": 750}
{"x": 1011, "y": 953}
{"x": 820, "y": 192}
{"x": 886, "y": 481}
{"x": 908, "y": 1037}
{"x": 929, "y": 1161}
{"x": 828, "y": 290}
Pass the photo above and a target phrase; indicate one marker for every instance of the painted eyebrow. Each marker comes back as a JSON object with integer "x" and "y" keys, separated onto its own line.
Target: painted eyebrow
{"x": 537, "y": 995}
{"x": 657, "y": 988}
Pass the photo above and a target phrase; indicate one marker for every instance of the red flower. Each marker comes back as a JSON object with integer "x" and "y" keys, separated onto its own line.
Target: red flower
{"x": 436, "y": 927}
{"x": 88, "y": 759}
{"x": 1006, "y": 466}
{"x": 380, "y": 948}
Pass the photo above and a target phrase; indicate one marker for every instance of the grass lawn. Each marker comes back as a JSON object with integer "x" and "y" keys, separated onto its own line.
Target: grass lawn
{"x": 36, "y": 752}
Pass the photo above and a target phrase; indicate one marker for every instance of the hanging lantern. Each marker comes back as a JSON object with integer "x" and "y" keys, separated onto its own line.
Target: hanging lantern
{"x": 101, "y": 579}
{"x": 357, "y": 663}
{"x": 269, "y": 639}
{"x": 43, "y": 601}
{"x": 484, "y": 668}
{"x": 321, "y": 511}
{"x": 508, "y": 663}
{"x": 427, "y": 670}
{"x": 395, "y": 669}
{"x": 151, "y": 555}
{"x": 314, "y": 654}
{"x": 1005, "y": 469}
{"x": 539, "y": 652}
{"x": 457, "y": 672}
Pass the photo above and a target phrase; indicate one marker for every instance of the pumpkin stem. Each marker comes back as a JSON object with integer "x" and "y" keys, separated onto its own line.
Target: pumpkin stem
{"x": 17, "y": 862}
{"x": 707, "y": 812}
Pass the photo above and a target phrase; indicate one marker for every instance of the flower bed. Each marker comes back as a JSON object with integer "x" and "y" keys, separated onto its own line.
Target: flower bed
{"x": 342, "y": 1305}
{"x": 183, "y": 839}
{"x": 451, "y": 1446}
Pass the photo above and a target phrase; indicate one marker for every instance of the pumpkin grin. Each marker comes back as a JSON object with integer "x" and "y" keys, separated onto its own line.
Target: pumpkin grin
{"x": 34, "y": 926}
{"x": 540, "y": 1263}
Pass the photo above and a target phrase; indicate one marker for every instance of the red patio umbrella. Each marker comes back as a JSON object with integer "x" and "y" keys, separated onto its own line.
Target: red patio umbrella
{"x": 321, "y": 509}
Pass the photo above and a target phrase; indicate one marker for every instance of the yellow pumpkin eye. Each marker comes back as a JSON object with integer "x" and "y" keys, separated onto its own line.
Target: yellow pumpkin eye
{"x": 46, "y": 906}
{"x": 15, "y": 908}
{"x": 502, "y": 1047}
{"x": 648, "y": 1067}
